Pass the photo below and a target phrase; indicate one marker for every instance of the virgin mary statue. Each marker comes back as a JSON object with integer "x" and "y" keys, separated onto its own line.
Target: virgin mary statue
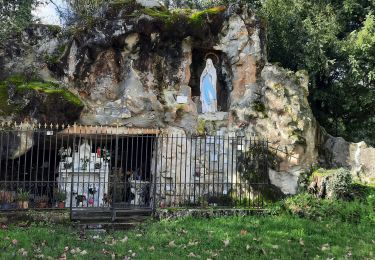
{"x": 208, "y": 88}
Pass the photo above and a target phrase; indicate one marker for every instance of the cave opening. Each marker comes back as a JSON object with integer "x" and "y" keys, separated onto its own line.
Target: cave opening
{"x": 199, "y": 57}
{"x": 124, "y": 161}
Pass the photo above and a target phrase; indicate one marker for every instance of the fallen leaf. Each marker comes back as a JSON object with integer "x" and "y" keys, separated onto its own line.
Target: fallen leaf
{"x": 172, "y": 244}
{"x": 62, "y": 257}
{"x": 151, "y": 248}
{"x": 325, "y": 247}
{"x": 124, "y": 240}
{"x": 83, "y": 252}
{"x": 226, "y": 242}
{"x": 301, "y": 242}
{"x": 14, "y": 242}
{"x": 193, "y": 243}
{"x": 248, "y": 247}
{"x": 192, "y": 255}
{"x": 275, "y": 246}
{"x": 243, "y": 232}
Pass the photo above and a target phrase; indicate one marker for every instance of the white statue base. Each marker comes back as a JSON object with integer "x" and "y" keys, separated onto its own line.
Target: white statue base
{"x": 86, "y": 177}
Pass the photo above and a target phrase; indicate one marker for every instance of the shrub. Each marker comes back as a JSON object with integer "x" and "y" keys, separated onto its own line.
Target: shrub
{"x": 339, "y": 183}
{"x": 308, "y": 206}
{"x": 332, "y": 184}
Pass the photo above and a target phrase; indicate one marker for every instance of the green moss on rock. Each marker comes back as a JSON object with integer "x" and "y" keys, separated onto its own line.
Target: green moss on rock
{"x": 201, "y": 128}
{"x": 21, "y": 85}
{"x": 170, "y": 17}
{"x": 259, "y": 106}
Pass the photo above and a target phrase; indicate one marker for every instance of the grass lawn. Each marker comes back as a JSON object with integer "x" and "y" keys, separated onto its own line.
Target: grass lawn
{"x": 255, "y": 237}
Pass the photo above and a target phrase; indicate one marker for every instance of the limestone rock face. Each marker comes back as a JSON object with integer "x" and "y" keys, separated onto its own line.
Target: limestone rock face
{"x": 133, "y": 67}
{"x": 358, "y": 157}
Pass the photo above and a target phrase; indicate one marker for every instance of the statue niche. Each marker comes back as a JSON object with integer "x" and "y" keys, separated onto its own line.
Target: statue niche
{"x": 208, "y": 90}
{"x": 209, "y": 80}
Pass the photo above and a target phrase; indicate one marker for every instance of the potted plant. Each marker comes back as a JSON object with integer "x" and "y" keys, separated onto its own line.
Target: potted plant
{"x": 23, "y": 199}
{"x": 6, "y": 199}
{"x": 41, "y": 201}
{"x": 60, "y": 197}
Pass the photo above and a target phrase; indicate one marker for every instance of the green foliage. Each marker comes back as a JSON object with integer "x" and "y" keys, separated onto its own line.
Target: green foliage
{"x": 15, "y": 16}
{"x": 54, "y": 58}
{"x": 334, "y": 41}
{"x": 259, "y": 106}
{"x": 60, "y": 196}
{"x": 172, "y": 16}
{"x": 251, "y": 237}
{"x": 201, "y": 128}
{"x": 308, "y": 206}
{"x": 22, "y": 195}
{"x": 198, "y": 16}
{"x": 338, "y": 182}
{"x": 21, "y": 84}
{"x": 85, "y": 8}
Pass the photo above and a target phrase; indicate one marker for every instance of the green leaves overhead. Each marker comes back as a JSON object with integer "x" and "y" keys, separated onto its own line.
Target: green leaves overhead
{"x": 334, "y": 41}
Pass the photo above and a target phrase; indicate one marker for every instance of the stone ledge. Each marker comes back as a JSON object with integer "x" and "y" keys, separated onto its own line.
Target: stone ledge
{"x": 57, "y": 216}
{"x": 174, "y": 213}
{"x": 218, "y": 116}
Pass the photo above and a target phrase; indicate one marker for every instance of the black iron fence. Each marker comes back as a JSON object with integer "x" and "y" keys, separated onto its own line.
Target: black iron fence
{"x": 117, "y": 167}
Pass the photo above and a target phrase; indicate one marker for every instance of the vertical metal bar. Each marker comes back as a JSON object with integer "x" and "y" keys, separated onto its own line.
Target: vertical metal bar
{"x": 106, "y": 185}
{"x": 31, "y": 163}
{"x": 1, "y": 154}
{"x": 180, "y": 183}
{"x": 160, "y": 140}
{"x": 19, "y": 162}
{"x": 147, "y": 168}
{"x": 227, "y": 161}
{"x": 199, "y": 177}
{"x": 25, "y": 161}
{"x": 155, "y": 174}
{"x": 213, "y": 167}
{"x": 209, "y": 166}
{"x": 172, "y": 189}
{"x": 195, "y": 168}
{"x": 71, "y": 177}
{"x": 127, "y": 183}
{"x": 37, "y": 161}
{"x": 44, "y": 155}
{"x": 175, "y": 172}
{"x": 223, "y": 166}
{"x": 185, "y": 179}
{"x": 56, "y": 162}
{"x": 166, "y": 168}
{"x": 218, "y": 164}
{"x": 109, "y": 154}
{"x": 205, "y": 185}
{"x": 49, "y": 167}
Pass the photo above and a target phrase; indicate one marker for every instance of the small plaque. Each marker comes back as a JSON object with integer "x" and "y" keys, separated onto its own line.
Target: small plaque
{"x": 182, "y": 99}
{"x": 49, "y": 132}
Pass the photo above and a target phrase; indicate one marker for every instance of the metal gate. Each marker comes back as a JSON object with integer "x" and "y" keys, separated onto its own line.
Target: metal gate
{"x": 112, "y": 169}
